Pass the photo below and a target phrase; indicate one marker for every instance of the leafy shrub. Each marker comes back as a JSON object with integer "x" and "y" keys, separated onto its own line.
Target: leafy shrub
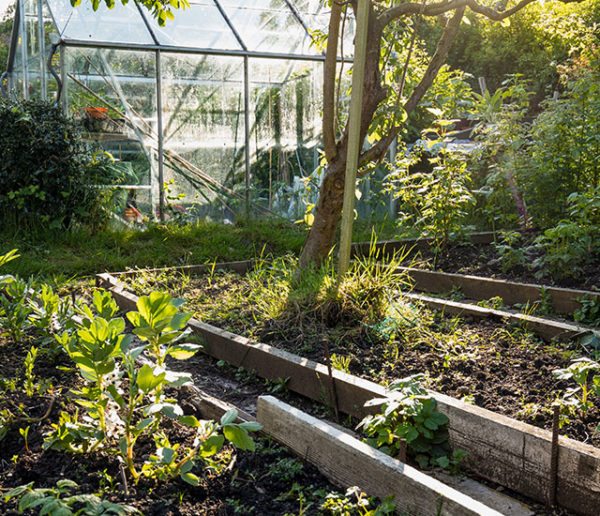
{"x": 536, "y": 167}
{"x": 573, "y": 242}
{"x": 409, "y": 413}
{"x": 439, "y": 202}
{"x": 45, "y": 167}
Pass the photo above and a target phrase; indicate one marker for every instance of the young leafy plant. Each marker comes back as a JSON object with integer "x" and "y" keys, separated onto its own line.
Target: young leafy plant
{"x": 159, "y": 322}
{"x": 409, "y": 413}
{"x": 124, "y": 392}
{"x": 172, "y": 460}
{"x": 58, "y": 501}
{"x": 14, "y": 308}
{"x": 580, "y": 371}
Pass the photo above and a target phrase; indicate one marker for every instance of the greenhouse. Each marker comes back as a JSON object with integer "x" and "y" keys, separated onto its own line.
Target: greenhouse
{"x": 215, "y": 114}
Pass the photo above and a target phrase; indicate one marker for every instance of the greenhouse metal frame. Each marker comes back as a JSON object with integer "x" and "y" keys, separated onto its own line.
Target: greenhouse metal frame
{"x": 162, "y": 87}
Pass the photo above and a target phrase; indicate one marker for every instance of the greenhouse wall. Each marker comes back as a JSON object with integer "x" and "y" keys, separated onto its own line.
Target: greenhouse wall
{"x": 217, "y": 114}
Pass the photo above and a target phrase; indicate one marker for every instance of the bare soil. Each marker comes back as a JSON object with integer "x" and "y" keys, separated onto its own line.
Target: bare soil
{"x": 498, "y": 367}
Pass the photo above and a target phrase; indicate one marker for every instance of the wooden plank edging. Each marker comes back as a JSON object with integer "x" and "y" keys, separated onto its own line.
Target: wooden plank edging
{"x": 240, "y": 267}
{"x": 387, "y": 247}
{"x": 547, "y": 328}
{"x": 563, "y": 300}
{"x": 348, "y": 461}
{"x": 509, "y": 452}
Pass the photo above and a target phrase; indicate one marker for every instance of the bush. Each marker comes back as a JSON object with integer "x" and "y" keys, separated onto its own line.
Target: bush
{"x": 45, "y": 168}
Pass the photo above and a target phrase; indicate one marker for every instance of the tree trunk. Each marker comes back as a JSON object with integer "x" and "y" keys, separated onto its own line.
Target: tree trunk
{"x": 331, "y": 194}
{"x": 327, "y": 214}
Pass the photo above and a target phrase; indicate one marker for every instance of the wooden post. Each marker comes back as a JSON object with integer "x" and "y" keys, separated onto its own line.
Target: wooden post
{"x": 482, "y": 85}
{"x": 354, "y": 141}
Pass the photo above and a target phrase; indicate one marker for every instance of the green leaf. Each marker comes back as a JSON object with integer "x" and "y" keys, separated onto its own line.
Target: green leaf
{"x": 229, "y": 417}
{"x": 144, "y": 423}
{"x": 189, "y": 421}
{"x": 17, "y": 490}
{"x": 190, "y": 478}
{"x": 171, "y": 410}
{"x": 178, "y": 322}
{"x": 166, "y": 454}
{"x": 66, "y": 483}
{"x": 251, "y": 426}
{"x": 146, "y": 379}
{"x": 239, "y": 437}
{"x": 212, "y": 445}
{"x": 183, "y": 351}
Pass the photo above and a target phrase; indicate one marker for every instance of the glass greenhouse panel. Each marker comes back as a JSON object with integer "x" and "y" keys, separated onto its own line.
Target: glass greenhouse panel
{"x": 268, "y": 26}
{"x": 123, "y": 24}
{"x": 203, "y": 120}
{"x": 285, "y": 127}
{"x": 113, "y": 95}
{"x": 199, "y": 26}
{"x": 315, "y": 14}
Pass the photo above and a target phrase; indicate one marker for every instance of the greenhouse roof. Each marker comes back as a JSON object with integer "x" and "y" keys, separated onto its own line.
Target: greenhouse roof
{"x": 278, "y": 28}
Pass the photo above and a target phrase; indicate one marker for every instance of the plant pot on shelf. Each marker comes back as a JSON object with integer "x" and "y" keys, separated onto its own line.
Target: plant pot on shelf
{"x": 96, "y": 112}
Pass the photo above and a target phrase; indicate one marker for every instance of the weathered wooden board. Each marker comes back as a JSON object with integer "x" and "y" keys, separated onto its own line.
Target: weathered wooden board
{"x": 501, "y": 449}
{"x": 240, "y": 267}
{"x": 547, "y": 328}
{"x": 349, "y": 462}
{"x": 563, "y": 300}
{"x": 213, "y": 408}
{"x": 389, "y": 247}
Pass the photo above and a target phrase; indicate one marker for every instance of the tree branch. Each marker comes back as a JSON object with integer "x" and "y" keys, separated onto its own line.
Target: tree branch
{"x": 443, "y": 7}
{"x": 496, "y": 15}
{"x": 437, "y": 61}
{"x": 329, "y": 69}
{"x": 407, "y": 9}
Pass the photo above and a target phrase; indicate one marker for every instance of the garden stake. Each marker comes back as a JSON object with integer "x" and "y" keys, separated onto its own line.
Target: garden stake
{"x": 554, "y": 458}
{"x": 402, "y": 451}
{"x": 124, "y": 480}
{"x": 332, "y": 393}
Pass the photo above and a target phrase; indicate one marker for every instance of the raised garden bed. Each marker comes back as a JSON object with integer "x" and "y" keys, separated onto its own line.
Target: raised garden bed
{"x": 514, "y": 454}
{"x": 267, "y": 481}
{"x": 478, "y": 257}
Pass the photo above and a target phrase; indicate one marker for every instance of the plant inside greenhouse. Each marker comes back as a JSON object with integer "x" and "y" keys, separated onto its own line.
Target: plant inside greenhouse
{"x": 300, "y": 257}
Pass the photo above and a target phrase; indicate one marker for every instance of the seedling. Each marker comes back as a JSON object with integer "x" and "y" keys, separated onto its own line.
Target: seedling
{"x": 24, "y": 434}
{"x": 29, "y": 376}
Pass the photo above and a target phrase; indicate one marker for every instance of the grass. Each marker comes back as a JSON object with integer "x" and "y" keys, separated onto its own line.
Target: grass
{"x": 81, "y": 252}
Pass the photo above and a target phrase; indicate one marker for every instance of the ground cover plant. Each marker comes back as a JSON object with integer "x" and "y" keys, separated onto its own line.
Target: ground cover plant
{"x": 372, "y": 331}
